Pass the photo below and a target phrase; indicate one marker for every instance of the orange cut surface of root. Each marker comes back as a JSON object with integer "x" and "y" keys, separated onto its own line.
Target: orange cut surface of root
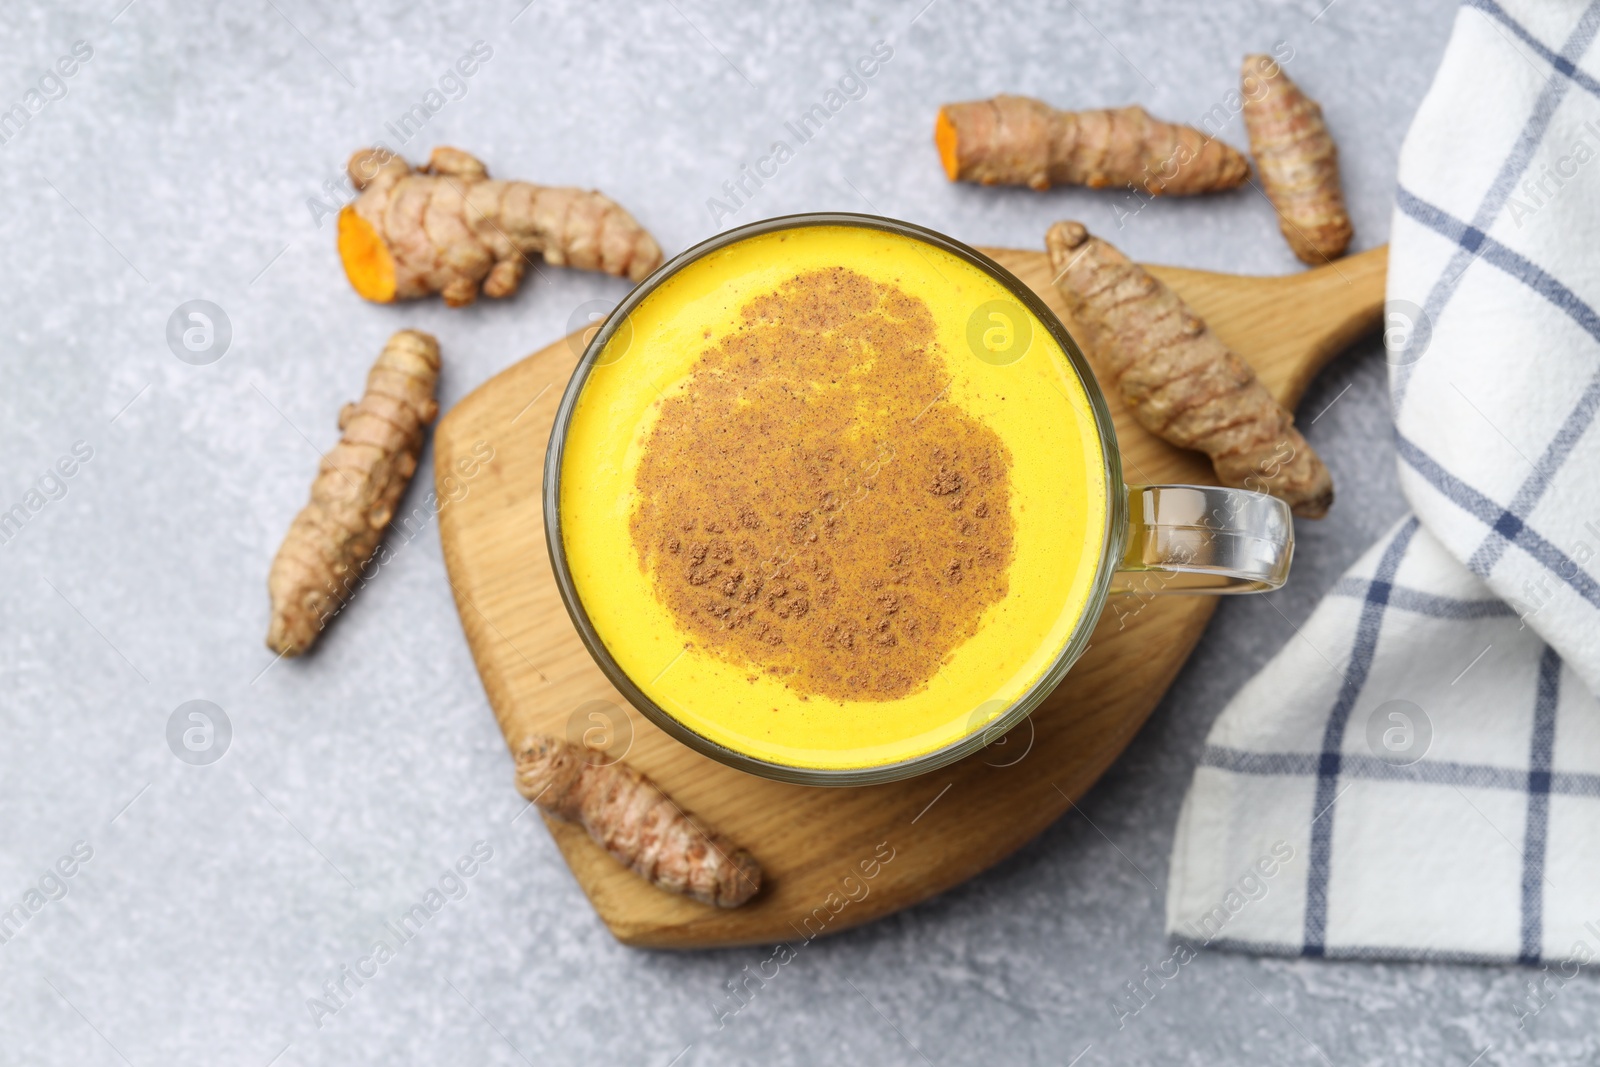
{"x": 944, "y": 136}
{"x": 367, "y": 263}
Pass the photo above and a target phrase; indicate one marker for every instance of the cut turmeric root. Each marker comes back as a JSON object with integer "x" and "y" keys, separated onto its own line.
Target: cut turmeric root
{"x": 1016, "y": 140}
{"x": 1298, "y": 161}
{"x": 449, "y": 229}
{"x": 636, "y": 822}
{"x": 358, "y": 485}
{"x": 1181, "y": 382}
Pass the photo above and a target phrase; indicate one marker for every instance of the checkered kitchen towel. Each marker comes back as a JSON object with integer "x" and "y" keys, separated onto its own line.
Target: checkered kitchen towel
{"x": 1417, "y": 774}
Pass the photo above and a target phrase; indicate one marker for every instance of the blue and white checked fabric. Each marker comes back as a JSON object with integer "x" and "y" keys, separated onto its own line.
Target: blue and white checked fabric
{"x": 1417, "y": 774}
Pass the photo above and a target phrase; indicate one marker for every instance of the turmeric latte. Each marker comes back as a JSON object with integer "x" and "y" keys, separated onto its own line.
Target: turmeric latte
{"x": 833, "y": 498}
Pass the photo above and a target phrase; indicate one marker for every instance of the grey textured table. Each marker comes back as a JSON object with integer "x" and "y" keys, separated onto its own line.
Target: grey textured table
{"x": 219, "y": 899}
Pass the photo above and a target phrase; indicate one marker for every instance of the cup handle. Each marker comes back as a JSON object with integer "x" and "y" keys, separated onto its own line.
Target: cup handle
{"x": 1203, "y": 539}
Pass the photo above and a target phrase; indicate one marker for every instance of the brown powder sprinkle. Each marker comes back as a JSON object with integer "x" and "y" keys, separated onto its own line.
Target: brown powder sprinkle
{"x": 810, "y": 510}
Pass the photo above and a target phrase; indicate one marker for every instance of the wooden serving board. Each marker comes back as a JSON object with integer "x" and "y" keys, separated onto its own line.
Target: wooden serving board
{"x": 941, "y": 828}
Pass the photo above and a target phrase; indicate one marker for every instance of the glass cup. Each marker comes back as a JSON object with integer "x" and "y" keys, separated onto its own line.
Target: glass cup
{"x": 1159, "y": 539}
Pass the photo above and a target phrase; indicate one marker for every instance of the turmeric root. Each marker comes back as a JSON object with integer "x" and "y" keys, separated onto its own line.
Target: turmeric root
{"x": 448, "y": 229}
{"x": 357, "y": 487}
{"x": 1016, "y": 140}
{"x": 1298, "y": 161}
{"x": 636, "y": 822}
{"x": 1178, "y": 379}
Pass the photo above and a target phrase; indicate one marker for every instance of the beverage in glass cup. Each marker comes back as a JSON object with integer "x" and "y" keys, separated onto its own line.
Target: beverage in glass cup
{"x": 835, "y": 499}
